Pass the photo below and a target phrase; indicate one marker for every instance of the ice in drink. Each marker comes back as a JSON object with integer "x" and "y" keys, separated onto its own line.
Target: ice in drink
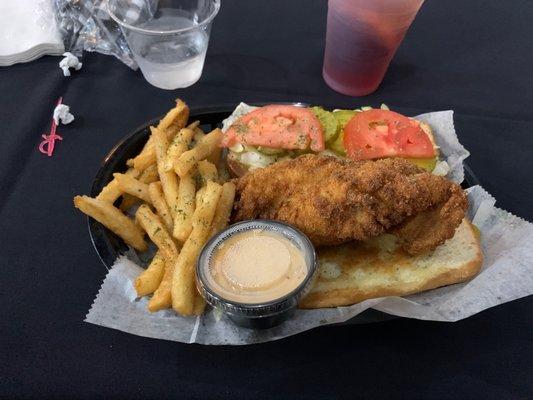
{"x": 170, "y": 63}
{"x": 168, "y": 38}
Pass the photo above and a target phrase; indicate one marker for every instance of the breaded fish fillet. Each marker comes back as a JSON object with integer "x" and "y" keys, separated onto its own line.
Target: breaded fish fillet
{"x": 335, "y": 200}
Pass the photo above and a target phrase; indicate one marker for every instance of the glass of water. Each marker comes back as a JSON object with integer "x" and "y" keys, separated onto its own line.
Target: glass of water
{"x": 167, "y": 37}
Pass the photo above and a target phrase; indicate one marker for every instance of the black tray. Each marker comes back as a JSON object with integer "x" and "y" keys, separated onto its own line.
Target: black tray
{"x": 109, "y": 246}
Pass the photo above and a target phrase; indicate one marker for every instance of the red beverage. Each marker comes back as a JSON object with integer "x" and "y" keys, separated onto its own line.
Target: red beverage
{"x": 362, "y": 37}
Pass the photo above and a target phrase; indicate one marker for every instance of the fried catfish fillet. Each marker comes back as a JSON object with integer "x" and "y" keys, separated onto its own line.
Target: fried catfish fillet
{"x": 335, "y": 201}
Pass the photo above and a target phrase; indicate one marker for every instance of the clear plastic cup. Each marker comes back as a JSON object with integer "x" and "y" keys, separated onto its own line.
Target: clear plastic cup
{"x": 361, "y": 39}
{"x": 168, "y": 38}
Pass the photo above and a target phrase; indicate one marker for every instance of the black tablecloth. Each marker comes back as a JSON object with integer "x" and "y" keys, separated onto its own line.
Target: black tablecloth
{"x": 471, "y": 56}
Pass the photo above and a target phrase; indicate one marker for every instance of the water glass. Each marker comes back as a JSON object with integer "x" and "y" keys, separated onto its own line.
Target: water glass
{"x": 168, "y": 38}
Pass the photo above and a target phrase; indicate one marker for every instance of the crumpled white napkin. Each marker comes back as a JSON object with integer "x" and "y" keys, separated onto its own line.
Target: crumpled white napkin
{"x": 62, "y": 113}
{"x": 28, "y": 30}
{"x": 69, "y": 61}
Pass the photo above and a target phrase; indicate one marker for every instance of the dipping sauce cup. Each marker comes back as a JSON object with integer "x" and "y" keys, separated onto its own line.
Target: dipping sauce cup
{"x": 256, "y": 272}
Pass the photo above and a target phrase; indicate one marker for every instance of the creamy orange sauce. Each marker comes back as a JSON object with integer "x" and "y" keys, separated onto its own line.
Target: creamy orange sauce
{"x": 256, "y": 266}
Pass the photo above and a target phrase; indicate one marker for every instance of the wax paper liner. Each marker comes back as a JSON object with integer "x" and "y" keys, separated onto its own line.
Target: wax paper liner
{"x": 507, "y": 274}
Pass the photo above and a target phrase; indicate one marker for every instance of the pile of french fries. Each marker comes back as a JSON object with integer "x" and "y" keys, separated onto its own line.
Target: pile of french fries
{"x": 177, "y": 183}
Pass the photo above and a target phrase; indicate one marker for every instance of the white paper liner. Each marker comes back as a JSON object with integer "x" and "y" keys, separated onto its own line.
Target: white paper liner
{"x": 507, "y": 274}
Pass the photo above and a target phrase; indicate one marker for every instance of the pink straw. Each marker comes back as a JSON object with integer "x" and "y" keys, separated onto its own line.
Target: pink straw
{"x": 47, "y": 145}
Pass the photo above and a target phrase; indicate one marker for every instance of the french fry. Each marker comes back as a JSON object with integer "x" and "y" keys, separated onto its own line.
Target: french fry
{"x": 148, "y": 281}
{"x": 169, "y": 180}
{"x": 172, "y": 150}
{"x": 175, "y": 119}
{"x": 171, "y": 123}
{"x": 146, "y": 157}
{"x": 111, "y": 217}
{"x": 160, "y": 204}
{"x": 207, "y": 171}
{"x": 224, "y": 207}
{"x": 185, "y": 207}
{"x": 200, "y": 196}
{"x": 153, "y": 226}
{"x": 179, "y": 145}
{"x": 183, "y": 287}
{"x": 162, "y": 296}
{"x": 133, "y": 186}
{"x": 203, "y": 148}
{"x": 199, "y": 304}
{"x": 198, "y": 135}
{"x": 127, "y": 202}
{"x": 193, "y": 125}
{"x": 223, "y": 173}
{"x": 149, "y": 175}
{"x": 111, "y": 191}
{"x": 214, "y": 157}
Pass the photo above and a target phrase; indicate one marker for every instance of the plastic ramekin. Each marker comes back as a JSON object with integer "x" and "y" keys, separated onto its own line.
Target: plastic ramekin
{"x": 262, "y": 315}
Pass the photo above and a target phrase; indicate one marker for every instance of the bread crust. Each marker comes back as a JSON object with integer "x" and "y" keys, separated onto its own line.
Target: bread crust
{"x": 349, "y": 296}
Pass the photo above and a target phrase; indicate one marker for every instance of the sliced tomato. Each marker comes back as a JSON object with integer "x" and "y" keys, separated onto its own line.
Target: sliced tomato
{"x": 381, "y": 133}
{"x": 277, "y": 126}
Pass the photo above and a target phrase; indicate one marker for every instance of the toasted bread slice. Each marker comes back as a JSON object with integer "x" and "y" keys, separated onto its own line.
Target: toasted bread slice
{"x": 354, "y": 272}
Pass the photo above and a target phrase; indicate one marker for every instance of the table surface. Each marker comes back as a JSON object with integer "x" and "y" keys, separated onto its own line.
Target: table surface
{"x": 471, "y": 56}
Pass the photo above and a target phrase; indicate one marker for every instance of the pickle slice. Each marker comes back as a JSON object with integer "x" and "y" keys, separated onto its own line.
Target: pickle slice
{"x": 427, "y": 163}
{"x": 343, "y": 116}
{"x": 270, "y": 151}
{"x": 337, "y": 145}
{"x": 328, "y": 121}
